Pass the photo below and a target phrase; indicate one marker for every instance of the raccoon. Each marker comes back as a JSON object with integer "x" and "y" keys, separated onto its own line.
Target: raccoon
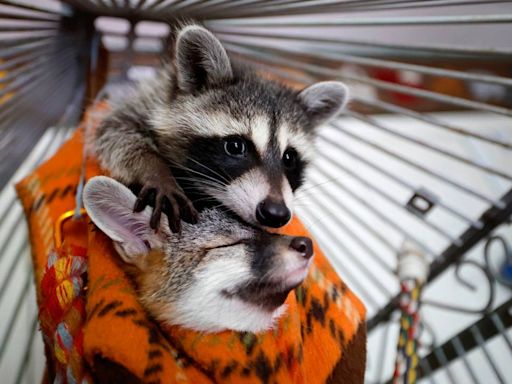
{"x": 209, "y": 131}
{"x": 215, "y": 275}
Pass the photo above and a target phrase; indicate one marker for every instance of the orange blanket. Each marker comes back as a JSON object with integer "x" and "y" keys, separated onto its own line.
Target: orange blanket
{"x": 320, "y": 339}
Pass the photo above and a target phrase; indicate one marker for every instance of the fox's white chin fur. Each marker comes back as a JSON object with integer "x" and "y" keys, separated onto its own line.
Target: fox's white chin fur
{"x": 203, "y": 306}
{"x": 228, "y": 314}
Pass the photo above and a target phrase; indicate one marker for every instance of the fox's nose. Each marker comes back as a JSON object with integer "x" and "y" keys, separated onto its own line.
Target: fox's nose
{"x": 303, "y": 245}
{"x": 272, "y": 214}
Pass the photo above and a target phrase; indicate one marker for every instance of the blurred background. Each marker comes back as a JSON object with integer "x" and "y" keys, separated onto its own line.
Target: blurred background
{"x": 423, "y": 154}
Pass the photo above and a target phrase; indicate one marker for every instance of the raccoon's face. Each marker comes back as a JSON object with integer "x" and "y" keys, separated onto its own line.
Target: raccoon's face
{"x": 252, "y": 168}
{"x": 218, "y": 274}
{"x": 243, "y": 141}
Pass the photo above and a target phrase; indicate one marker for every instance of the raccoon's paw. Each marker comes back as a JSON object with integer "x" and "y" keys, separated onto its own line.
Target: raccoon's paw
{"x": 168, "y": 198}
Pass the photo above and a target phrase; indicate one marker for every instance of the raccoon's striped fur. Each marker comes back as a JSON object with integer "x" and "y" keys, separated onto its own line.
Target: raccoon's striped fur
{"x": 209, "y": 131}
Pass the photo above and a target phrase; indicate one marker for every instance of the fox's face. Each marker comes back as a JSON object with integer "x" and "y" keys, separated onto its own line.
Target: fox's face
{"x": 218, "y": 274}
{"x": 244, "y": 141}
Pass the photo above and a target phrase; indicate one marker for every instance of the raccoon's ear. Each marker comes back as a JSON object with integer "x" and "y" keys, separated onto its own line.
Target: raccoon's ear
{"x": 109, "y": 204}
{"x": 324, "y": 100}
{"x": 201, "y": 60}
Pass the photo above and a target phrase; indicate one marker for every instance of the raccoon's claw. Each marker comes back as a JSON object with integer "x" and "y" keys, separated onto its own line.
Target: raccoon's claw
{"x": 187, "y": 211}
{"x": 145, "y": 197}
{"x": 171, "y": 210}
{"x": 169, "y": 202}
{"x": 177, "y": 207}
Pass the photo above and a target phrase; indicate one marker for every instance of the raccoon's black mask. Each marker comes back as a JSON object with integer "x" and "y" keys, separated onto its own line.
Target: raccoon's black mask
{"x": 229, "y": 136}
{"x": 248, "y": 139}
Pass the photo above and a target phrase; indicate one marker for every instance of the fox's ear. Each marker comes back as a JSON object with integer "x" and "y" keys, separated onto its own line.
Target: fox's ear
{"x": 109, "y": 204}
{"x": 201, "y": 60}
{"x": 324, "y": 100}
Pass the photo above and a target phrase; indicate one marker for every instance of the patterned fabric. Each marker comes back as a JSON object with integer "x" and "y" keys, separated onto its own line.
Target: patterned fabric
{"x": 62, "y": 311}
{"x": 321, "y": 338}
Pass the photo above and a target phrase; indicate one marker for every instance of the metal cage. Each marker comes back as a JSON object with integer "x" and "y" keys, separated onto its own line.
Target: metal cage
{"x": 423, "y": 154}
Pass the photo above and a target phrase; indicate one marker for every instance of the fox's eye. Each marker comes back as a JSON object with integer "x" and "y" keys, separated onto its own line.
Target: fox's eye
{"x": 290, "y": 158}
{"x": 235, "y": 146}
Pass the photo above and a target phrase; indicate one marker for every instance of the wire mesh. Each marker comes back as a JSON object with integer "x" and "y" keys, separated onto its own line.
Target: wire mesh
{"x": 429, "y": 123}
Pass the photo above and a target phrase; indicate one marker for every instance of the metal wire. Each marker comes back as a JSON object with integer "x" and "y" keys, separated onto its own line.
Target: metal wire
{"x": 373, "y": 275}
{"x": 313, "y": 7}
{"x": 370, "y": 21}
{"x": 402, "y": 182}
{"x": 361, "y": 288}
{"x": 379, "y": 84}
{"x": 235, "y": 9}
{"x": 390, "y": 64}
{"x": 392, "y": 48}
{"x": 422, "y": 168}
{"x": 27, "y": 355}
{"x": 391, "y": 223}
{"x": 425, "y": 366}
{"x": 34, "y": 17}
{"x": 19, "y": 46}
{"x": 53, "y": 141}
{"x": 447, "y": 180}
{"x": 356, "y": 218}
{"x": 302, "y": 50}
{"x": 460, "y": 350}
{"x": 25, "y": 58}
{"x": 481, "y": 343}
{"x": 414, "y": 164}
{"x": 409, "y": 162}
{"x": 328, "y": 197}
{"x": 14, "y": 315}
{"x": 388, "y": 107}
{"x": 27, "y": 74}
{"x": 502, "y": 329}
{"x": 22, "y": 246}
{"x": 381, "y": 192}
{"x": 424, "y": 144}
{"x": 48, "y": 76}
{"x": 53, "y": 67}
{"x": 31, "y": 75}
{"x": 64, "y": 11}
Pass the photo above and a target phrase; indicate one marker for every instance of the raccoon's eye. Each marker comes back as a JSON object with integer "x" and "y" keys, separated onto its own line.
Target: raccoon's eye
{"x": 290, "y": 158}
{"x": 235, "y": 146}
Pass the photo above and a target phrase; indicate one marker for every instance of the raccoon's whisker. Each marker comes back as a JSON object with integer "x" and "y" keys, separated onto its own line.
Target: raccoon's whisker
{"x": 211, "y": 188}
{"x": 191, "y": 178}
{"x": 197, "y": 182}
{"x": 308, "y": 197}
{"x": 187, "y": 178}
{"x": 264, "y": 277}
{"x": 205, "y": 199}
{"x": 316, "y": 185}
{"x": 202, "y": 196}
{"x": 188, "y": 169}
{"x": 216, "y": 187}
{"x": 220, "y": 207}
{"x": 211, "y": 170}
{"x": 201, "y": 186}
{"x": 203, "y": 175}
{"x": 311, "y": 221}
{"x": 195, "y": 189}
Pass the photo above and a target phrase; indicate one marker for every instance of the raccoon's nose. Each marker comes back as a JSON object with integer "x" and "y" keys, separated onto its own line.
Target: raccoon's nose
{"x": 303, "y": 245}
{"x": 272, "y": 214}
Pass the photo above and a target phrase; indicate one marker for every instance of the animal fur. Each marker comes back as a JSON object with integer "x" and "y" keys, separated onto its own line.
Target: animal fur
{"x": 218, "y": 274}
{"x": 169, "y": 138}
